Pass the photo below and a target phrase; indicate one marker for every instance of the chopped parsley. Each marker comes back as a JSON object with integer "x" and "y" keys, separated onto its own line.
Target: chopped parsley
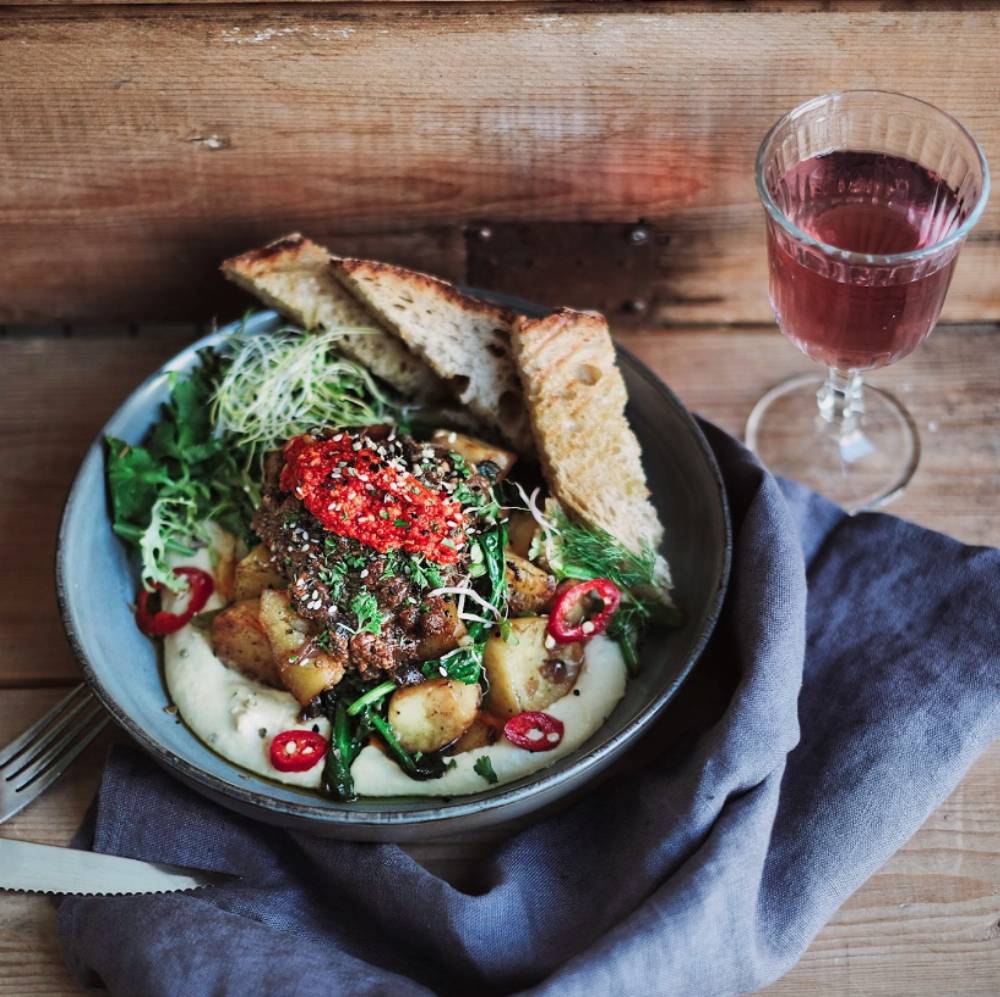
{"x": 484, "y": 768}
{"x": 333, "y": 575}
{"x": 425, "y": 574}
{"x": 460, "y": 464}
{"x": 365, "y": 608}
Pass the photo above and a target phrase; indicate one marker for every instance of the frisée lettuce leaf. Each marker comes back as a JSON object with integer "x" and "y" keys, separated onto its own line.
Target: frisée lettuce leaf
{"x": 163, "y": 493}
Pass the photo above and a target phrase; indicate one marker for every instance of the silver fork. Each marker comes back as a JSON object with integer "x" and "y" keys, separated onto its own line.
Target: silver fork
{"x": 32, "y": 762}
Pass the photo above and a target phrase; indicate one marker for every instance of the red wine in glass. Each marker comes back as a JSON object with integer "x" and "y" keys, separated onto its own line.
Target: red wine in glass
{"x": 868, "y": 197}
{"x": 847, "y": 316}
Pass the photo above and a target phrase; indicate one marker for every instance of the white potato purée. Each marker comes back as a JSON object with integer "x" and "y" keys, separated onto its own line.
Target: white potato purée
{"x": 238, "y": 717}
{"x": 601, "y": 684}
{"x": 226, "y": 709}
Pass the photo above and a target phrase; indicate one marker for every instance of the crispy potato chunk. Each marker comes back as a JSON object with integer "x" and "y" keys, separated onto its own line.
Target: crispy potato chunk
{"x": 530, "y": 588}
{"x": 254, "y": 574}
{"x": 526, "y": 675}
{"x": 304, "y": 670}
{"x": 476, "y": 451}
{"x": 285, "y": 629}
{"x": 238, "y": 640}
{"x": 428, "y": 716}
{"x": 521, "y": 530}
{"x": 433, "y": 646}
{"x": 306, "y": 678}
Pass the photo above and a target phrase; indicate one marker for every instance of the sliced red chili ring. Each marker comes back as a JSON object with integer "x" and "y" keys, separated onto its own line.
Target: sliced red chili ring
{"x": 297, "y": 750}
{"x": 160, "y": 623}
{"x": 534, "y": 731}
{"x": 583, "y": 609}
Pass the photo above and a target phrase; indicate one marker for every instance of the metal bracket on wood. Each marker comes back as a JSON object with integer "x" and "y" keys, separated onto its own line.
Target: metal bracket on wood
{"x": 609, "y": 266}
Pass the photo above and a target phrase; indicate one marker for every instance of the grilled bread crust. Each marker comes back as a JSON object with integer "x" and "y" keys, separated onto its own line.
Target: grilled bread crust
{"x": 292, "y": 275}
{"x": 464, "y": 340}
{"x": 576, "y": 398}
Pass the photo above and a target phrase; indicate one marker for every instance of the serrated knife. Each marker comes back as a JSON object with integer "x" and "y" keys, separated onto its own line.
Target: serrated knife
{"x": 34, "y": 868}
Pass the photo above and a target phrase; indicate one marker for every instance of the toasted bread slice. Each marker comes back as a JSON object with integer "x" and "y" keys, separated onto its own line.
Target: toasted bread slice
{"x": 292, "y": 274}
{"x": 466, "y": 341}
{"x": 576, "y": 397}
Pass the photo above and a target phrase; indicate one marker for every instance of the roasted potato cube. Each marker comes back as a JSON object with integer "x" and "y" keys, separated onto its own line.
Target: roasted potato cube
{"x": 256, "y": 573}
{"x": 483, "y": 732}
{"x": 521, "y": 530}
{"x": 476, "y": 451}
{"x": 530, "y": 588}
{"x": 524, "y": 674}
{"x": 238, "y": 639}
{"x": 428, "y": 716}
{"x": 285, "y": 629}
{"x": 304, "y": 670}
{"x": 434, "y": 645}
{"x": 310, "y": 675}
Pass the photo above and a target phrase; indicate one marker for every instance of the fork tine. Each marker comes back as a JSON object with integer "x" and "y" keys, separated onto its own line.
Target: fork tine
{"x": 40, "y": 782}
{"x": 48, "y": 726}
{"x": 41, "y": 762}
{"x": 15, "y": 799}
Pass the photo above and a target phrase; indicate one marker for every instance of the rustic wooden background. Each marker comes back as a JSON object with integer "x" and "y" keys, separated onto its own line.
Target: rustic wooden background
{"x": 141, "y": 144}
{"x": 926, "y": 925}
{"x": 588, "y": 153}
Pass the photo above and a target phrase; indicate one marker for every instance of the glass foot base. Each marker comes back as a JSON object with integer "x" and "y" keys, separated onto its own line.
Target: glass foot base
{"x": 863, "y": 467}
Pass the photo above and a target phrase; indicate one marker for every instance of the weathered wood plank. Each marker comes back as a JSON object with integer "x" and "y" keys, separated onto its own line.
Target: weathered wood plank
{"x": 663, "y": 6}
{"x": 57, "y": 394}
{"x": 948, "y": 384}
{"x": 144, "y": 144}
{"x": 927, "y": 922}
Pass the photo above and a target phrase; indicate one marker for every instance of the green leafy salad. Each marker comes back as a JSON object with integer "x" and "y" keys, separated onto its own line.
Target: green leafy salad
{"x": 383, "y": 573}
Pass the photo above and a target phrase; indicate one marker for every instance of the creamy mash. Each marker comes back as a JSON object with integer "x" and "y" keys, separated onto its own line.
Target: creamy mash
{"x": 237, "y": 717}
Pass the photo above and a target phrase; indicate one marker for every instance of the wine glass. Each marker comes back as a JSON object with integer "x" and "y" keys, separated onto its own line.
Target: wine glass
{"x": 869, "y": 196}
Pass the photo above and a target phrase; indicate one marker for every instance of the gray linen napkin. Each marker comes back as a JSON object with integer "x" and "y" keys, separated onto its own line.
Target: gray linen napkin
{"x": 866, "y": 679}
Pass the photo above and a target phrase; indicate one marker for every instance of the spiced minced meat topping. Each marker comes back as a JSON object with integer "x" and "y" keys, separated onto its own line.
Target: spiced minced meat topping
{"x": 370, "y": 609}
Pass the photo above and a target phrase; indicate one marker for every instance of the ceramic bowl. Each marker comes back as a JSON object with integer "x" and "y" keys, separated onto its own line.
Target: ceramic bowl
{"x": 97, "y": 581}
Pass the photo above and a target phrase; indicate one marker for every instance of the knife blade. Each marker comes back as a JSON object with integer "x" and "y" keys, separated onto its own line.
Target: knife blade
{"x": 33, "y": 868}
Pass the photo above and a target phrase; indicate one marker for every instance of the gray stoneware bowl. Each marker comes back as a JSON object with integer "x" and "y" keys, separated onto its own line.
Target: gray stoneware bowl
{"x": 97, "y": 582}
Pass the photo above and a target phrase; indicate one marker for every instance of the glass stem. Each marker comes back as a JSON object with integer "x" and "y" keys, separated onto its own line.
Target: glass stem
{"x": 841, "y": 400}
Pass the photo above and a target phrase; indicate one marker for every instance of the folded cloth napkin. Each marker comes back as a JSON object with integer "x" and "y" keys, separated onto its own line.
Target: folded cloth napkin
{"x": 868, "y": 680}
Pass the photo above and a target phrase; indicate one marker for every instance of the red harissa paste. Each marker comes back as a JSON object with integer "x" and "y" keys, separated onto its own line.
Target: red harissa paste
{"x": 358, "y": 494}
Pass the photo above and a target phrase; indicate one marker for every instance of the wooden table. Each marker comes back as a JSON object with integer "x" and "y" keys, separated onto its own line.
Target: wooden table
{"x": 927, "y": 923}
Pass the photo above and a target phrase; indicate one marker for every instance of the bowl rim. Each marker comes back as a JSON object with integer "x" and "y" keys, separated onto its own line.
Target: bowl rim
{"x": 330, "y": 813}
